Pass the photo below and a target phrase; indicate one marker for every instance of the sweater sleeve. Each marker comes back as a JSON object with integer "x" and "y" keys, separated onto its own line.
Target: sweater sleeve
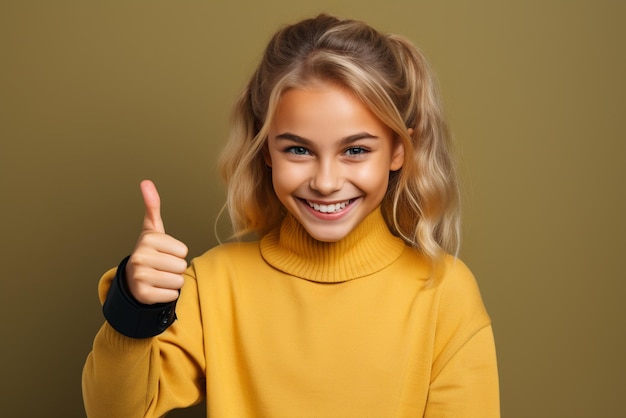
{"x": 467, "y": 386}
{"x": 146, "y": 377}
{"x": 464, "y": 380}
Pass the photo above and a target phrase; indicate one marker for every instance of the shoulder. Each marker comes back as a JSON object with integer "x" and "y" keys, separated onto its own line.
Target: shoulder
{"x": 459, "y": 295}
{"x": 227, "y": 274}
{"x": 451, "y": 276}
{"x": 458, "y": 282}
{"x": 229, "y": 252}
{"x": 233, "y": 256}
{"x": 450, "y": 286}
{"x": 461, "y": 313}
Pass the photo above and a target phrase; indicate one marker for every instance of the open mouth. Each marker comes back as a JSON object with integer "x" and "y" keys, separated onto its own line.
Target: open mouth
{"x": 329, "y": 208}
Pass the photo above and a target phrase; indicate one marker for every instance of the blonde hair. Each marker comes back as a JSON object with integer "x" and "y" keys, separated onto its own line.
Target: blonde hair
{"x": 392, "y": 77}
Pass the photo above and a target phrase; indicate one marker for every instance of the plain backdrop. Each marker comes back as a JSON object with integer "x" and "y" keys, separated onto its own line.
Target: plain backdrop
{"x": 96, "y": 96}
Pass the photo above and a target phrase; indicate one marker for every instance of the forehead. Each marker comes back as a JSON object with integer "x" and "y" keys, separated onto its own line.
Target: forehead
{"x": 323, "y": 107}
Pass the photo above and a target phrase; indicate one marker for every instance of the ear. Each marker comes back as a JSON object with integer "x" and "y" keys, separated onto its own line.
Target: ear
{"x": 397, "y": 153}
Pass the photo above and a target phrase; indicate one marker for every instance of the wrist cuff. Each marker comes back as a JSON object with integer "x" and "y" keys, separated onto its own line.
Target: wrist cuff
{"x": 131, "y": 318}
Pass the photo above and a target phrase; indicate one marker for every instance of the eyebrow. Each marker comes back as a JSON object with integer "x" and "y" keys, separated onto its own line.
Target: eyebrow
{"x": 344, "y": 141}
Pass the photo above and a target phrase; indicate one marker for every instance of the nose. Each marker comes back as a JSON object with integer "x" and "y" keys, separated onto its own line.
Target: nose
{"x": 327, "y": 177}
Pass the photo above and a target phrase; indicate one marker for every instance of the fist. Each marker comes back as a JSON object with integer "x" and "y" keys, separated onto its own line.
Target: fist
{"x": 154, "y": 272}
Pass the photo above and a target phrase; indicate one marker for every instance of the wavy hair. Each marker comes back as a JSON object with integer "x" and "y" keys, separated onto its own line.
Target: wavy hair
{"x": 393, "y": 79}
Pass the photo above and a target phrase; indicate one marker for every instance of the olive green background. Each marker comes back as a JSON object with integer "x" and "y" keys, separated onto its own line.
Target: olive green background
{"x": 97, "y": 95}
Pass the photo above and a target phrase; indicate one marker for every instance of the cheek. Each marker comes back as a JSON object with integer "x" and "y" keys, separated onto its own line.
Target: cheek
{"x": 285, "y": 176}
{"x": 373, "y": 178}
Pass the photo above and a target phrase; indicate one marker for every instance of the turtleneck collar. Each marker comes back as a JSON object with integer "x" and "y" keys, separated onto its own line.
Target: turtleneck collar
{"x": 369, "y": 248}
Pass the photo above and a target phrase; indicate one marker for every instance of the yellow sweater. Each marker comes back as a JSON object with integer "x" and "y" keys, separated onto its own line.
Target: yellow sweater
{"x": 292, "y": 327}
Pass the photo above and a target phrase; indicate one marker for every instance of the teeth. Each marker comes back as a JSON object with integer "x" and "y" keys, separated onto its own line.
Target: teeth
{"x": 332, "y": 208}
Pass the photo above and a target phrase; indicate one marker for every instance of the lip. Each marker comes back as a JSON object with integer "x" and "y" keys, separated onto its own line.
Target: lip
{"x": 328, "y": 210}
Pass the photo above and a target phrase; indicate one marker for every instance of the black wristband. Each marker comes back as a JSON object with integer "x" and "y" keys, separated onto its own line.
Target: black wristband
{"x": 131, "y": 318}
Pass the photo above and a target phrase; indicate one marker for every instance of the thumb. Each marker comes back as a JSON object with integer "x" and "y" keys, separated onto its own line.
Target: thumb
{"x": 152, "y": 219}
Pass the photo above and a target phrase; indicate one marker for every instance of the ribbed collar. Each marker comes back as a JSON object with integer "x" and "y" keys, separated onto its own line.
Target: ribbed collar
{"x": 366, "y": 250}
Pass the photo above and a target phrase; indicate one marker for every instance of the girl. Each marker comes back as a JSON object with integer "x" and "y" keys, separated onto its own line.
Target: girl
{"x": 349, "y": 304}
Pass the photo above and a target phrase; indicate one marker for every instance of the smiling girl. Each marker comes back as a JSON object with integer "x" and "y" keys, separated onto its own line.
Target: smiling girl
{"x": 331, "y": 158}
{"x": 350, "y": 303}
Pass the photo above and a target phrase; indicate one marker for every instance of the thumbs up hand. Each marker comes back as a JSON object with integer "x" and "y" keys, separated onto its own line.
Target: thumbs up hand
{"x": 154, "y": 272}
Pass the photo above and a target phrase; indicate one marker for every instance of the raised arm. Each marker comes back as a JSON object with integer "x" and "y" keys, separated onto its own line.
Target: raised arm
{"x": 125, "y": 374}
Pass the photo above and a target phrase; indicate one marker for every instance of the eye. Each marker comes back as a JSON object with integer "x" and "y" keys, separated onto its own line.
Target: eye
{"x": 352, "y": 151}
{"x": 297, "y": 150}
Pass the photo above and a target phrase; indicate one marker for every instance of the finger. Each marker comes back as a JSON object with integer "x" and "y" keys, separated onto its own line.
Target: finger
{"x": 163, "y": 295}
{"x": 160, "y": 280}
{"x": 150, "y": 295}
{"x": 152, "y": 219}
{"x": 161, "y": 243}
{"x": 158, "y": 261}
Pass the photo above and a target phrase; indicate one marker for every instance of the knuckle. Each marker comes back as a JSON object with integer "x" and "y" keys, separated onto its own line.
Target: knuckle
{"x": 139, "y": 276}
{"x": 149, "y": 238}
{"x": 138, "y": 258}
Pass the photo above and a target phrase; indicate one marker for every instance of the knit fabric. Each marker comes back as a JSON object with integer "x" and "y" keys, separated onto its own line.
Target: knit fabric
{"x": 293, "y": 327}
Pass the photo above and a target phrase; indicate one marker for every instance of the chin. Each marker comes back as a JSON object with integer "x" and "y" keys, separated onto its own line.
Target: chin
{"x": 319, "y": 234}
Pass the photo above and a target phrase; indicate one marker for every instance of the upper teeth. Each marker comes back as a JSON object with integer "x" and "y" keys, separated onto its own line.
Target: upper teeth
{"x": 333, "y": 207}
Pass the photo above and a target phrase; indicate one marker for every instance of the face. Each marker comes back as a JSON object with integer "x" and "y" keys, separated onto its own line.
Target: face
{"x": 330, "y": 158}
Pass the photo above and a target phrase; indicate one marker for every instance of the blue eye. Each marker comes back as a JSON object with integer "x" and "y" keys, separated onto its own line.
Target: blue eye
{"x": 297, "y": 150}
{"x": 356, "y": 151}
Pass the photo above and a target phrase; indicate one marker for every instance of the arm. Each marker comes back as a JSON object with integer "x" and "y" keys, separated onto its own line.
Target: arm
{"x": 128, "y": 377}
{"x": 464, "y": 380}
{"x": 467, "y": 386}
{"x": 134, "y": 370}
